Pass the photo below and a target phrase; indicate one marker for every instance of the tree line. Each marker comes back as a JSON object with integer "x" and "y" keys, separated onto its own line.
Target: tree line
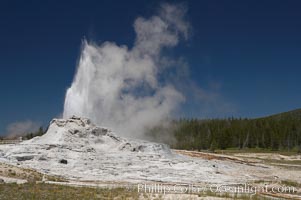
{"x": 30, "y": 135}
{"x": 275, "y": 133}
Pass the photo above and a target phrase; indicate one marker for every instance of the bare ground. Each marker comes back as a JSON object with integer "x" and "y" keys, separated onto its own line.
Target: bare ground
{"x": 285, "y": 170}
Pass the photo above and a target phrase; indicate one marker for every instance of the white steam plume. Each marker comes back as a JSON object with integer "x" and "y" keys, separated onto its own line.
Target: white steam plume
{"x": 122, "y": 88}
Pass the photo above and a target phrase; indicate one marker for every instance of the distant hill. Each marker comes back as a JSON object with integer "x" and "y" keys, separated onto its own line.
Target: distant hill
{"x": 293, "y": 114}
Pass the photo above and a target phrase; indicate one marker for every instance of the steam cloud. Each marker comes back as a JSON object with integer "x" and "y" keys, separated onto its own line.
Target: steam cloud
{"x": 124, "y": 88}
{"x": 17, "y": 129}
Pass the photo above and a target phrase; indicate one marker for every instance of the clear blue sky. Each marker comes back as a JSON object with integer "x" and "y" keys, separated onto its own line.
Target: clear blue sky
{"x": 250, "y": 49}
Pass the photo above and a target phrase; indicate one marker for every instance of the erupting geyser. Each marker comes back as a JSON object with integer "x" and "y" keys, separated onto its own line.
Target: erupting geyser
{"x": 123, "y": 88}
